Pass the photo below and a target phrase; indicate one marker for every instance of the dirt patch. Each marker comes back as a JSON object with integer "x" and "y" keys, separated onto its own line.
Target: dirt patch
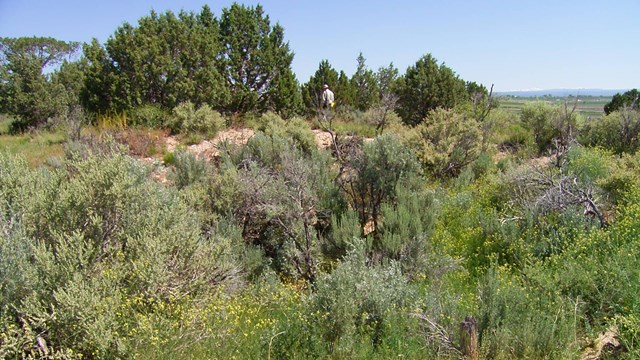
{"x": 323, "y": 138}
{"x": 209, "y": 149}
{"x": 540, "y": 162}
{"x": 604, "y": 347}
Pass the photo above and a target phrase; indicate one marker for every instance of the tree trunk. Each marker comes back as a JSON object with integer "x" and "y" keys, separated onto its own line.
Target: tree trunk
{"x": 469, "y": 338}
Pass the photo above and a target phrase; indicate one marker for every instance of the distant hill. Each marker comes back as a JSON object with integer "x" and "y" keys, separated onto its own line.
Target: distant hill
{"x": 561, "y": 92}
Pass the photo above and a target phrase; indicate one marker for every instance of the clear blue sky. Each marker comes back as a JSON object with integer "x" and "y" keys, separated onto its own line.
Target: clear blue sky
{"x": 514, "y": 44}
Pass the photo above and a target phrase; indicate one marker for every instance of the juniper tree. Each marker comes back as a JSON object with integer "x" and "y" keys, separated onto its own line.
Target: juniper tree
{"x": 312, "y": 89}
{"x": 426, "y": 86}
{"x": 364, "y": 85}
{"x": 254, "y": 57}
{"x": 27, "y": 91}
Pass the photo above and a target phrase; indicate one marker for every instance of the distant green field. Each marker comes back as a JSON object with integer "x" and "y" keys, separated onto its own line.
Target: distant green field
{"x": 588, "y": 106}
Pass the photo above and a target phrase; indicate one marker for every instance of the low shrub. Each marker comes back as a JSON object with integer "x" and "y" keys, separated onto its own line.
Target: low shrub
{"x": 517, "y": 321}
{"x": 204, "y": 120}
{"x": 357, "y": 300}
{"x": 294, "y": 130}
{"x": 98, "y": 242}
{"x": 187, "y": 168}
{"x": 446, "y": 142}
{"x": 149, "y": 115}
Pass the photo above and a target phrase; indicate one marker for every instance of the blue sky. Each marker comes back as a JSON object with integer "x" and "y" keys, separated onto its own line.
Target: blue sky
{"x": 517, "y": 44}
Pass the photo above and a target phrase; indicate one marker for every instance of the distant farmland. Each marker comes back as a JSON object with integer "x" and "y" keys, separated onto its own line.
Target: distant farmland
{"x": 588, "y": 106}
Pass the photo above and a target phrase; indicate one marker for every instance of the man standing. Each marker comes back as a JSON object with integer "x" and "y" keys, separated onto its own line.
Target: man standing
{"x": 328, "y": 101}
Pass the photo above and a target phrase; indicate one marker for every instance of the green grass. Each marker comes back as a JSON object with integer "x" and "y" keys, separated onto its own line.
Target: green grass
{"x": 36, "y": 147}
{"x": 354, "y": 128}
{"x": 588, "y": 106}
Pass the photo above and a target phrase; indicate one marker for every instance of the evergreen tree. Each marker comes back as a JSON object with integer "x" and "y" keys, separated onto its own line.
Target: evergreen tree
{"x": 165, "y": 60}
{"x": 426, "y": 86}
{"x": 285, "y": 96}
{"x": 630, "y": 99}
{"x": 254, "y": 56}
{"x": 98, "y": 93}
{"x": 345, "y": 92}
{"x": 27, "y": 92}
{"x": 312, "y": 90}
{"x": 365, "y": 86}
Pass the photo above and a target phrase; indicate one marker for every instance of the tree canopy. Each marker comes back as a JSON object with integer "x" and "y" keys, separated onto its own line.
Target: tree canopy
{"x": 239, "y": 63}
{"x": 255, "y": 58}
{"x": 426, "y": 86}
{"x": 26, "y": 90}
{"x": 630, "y": 99}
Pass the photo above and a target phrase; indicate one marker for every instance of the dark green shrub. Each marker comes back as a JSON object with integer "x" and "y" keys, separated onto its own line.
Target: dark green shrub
{"x": 152, "y": 116}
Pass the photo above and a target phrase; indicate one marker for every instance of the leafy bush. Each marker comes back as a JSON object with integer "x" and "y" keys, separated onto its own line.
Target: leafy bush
{"x": 204, "y": 120}
{"x": 152, "y": 116}
{"x": 97, "y": 241}
{"x": 187, "y": 168}
{"x": 357, "y": 300}
{"x": 623, "y": 178}
{"x": 473, "y": 231}
{"x": 617, "y": 131}
{"x": 538, "y": 117}
{"x": 513, "y": 137}
{"x": 446, "y": 142}
{"x": 590, "y": 165}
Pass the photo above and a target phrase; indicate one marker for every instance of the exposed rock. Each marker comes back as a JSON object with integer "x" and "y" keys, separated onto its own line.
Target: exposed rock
{"x": 604, "y": 346}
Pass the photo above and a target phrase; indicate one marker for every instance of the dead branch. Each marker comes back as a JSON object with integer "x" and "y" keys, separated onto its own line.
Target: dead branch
{"x": 438, "y": 335}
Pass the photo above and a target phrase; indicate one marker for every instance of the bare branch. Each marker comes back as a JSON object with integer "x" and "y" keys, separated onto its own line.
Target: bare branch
{"x": 438, "y": 335}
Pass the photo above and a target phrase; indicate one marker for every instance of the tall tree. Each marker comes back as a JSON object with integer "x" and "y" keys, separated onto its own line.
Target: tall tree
{"x": 254, "y": 55}
{"x": 165, "y": 60}
{"x": 426, "y": 86}
{"x": 99, "y": 92}
{"x": 285, "y": 97}
{"x": 365, "y": 85}
{"x": 27, "y": 90}
{"x": 345, "y": 92}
